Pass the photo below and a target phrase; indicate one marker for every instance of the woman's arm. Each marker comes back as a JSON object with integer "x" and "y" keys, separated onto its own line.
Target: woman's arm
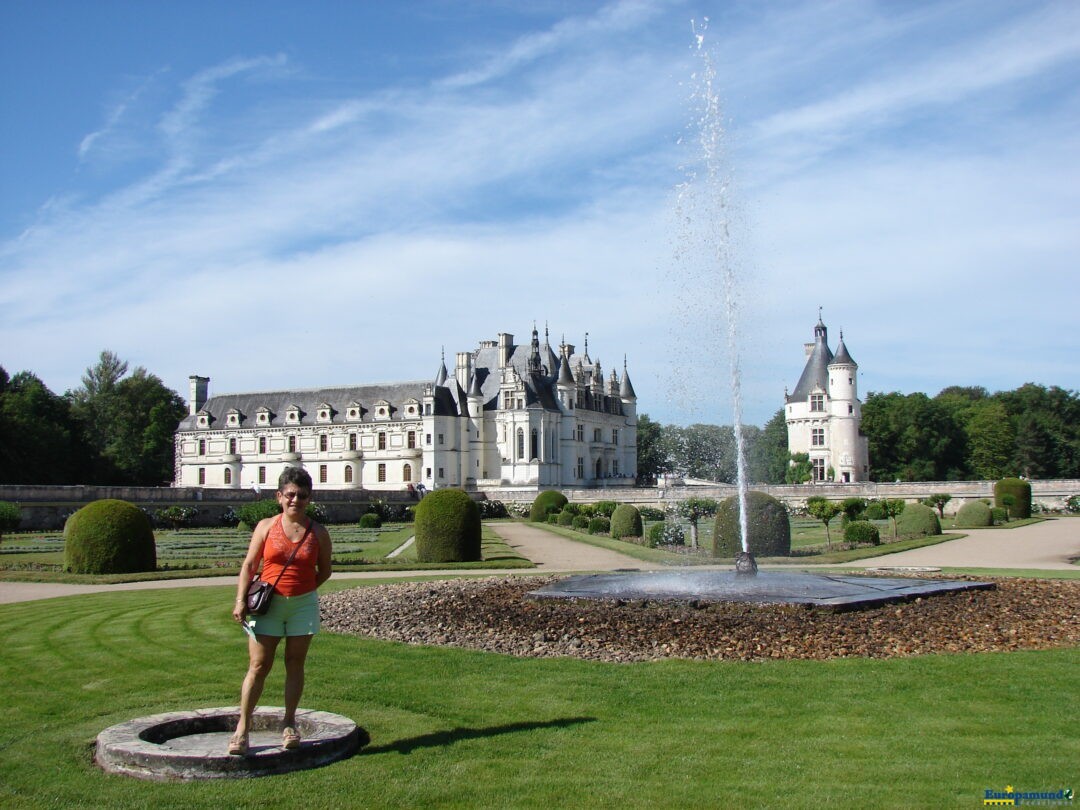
{"x": 322, "y": 566}
{"x": 249, "y": 567}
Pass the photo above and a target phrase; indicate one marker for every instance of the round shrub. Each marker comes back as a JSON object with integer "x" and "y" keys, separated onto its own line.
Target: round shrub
{"x": 109, "y": 537}
{"x": 652, "y": 513}
{"x": 874, "y": 511}
{"x": 580, "y": 522}
{"x": 862, "y": 532}
{"x": 626, "y": 522}
{"x": 655, "y": 535}
{"x": 918, "y": 520}
{"x": 666, "y": 534}
{"x": 599, "y": 525}
{"x": 553, "y": 518}
{"x": 767, "y": 525}
{"x": 998, "y": 515}
{"x": 605, "y": 508}
{"x": 546, "y": 502}
{"x": 252, "y": 512}
{"x": 369, "y": 520}
{"x": 1021, "y": 493}
{"x": 973, "y": 515}
{"x": 566, "y": 518}
{"x": 447, "y": 527}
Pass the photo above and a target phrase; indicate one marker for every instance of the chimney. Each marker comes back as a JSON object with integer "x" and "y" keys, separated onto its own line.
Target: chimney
{"x": 197, "y": 398}
{"x": 506, "y": 347}
{"x": 464, "y": 369}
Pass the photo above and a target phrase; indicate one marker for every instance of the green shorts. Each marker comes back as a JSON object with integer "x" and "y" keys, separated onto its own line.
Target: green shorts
{"x": 289, "y": 616}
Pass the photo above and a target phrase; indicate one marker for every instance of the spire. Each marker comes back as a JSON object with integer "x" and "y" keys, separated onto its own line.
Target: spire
{"x": 842, "y": 357}
{"x": 815, "y": 374}
{"x": 586, "y": 357}
{"x": 626, "y": 391}
{"x": 565, "y": 376}
{"x": 549, "y": 357}
{"x": 474, "y": 386}
{"x": 442, "y": 373}
{"x": 534, "y": 351}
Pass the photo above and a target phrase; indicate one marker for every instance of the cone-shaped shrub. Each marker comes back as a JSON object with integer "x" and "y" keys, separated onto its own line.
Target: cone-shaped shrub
{"x": 973, "y": 515}
{"x": 109, "y": 537}
{"x": 626, "y": 522}
{"x": 447, "y": 527}
{"x": 1020, "y": 490}
{"x": 546, "y": 502}
{"x": 767, "y": 526}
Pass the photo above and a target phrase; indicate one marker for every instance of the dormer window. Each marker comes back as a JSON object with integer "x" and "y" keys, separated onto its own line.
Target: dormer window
{"x": 353, "y": 411}
{"x": 292, "y": 415}
{"x": 324, "y": 413}
{"x": 233, "y": 418}
{"x": 817, "y": 402}
{"x": 412, "y": 407}
{"x": 382, "y": 409}
{"x": 263, "y": 416}
{"x": 202, "y": 419}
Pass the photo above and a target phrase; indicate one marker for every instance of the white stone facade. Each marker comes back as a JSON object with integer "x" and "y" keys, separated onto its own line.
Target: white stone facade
{"x": 507, "y": 416}
{"x": 824, "y": 413}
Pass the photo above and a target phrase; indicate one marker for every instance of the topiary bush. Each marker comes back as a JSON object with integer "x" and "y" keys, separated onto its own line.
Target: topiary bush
{"x": 998, "y": 515}
{"x": 109, "y": 537}
{"x": 666, "y": 534}
{"x": 599, "y": 525}
{"x": 973, "y": 515}
{"x": 553, "y": 518}
{"x": 581, "y": 523}
{"x": 566, "y": 518}
{"x": 546, "y": 502}
{"x": 10, "y": 517}
{"x": 767, "y": 525}
{"x": 862, "y": 532}
{"x": 918, "y": 520}
{"x": 874, "y": 511}
{"x": 447, "y": 527}
{"x": 652, "y": 513}
{"x": 605, "y": 508}
{"x": 626, "y": 522}
{"x": 1021, "y": 492}
{"x": 369, "y": 520}
{"x": 252, "y": 512}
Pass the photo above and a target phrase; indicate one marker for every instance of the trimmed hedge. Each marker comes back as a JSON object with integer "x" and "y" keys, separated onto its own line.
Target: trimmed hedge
{"x": 546, "y": 502}
{"x": 874, "y": 511}
{"x": 626, "y": 522}
{"x": 369, "y": 520}
{"x": 768, "y": 527}
{"x": 1021, "y": 492}
{"x": 918, "y": 520}
{"x": 252, "y": 512}
{"x": 862, "y": 532}
{"x": 566, "y": 517}
{"x": 599, "y": 525}
{"x": 109, "y": 537}
{"x": 973, "y": 515}
{"x": 667, "y": 534}
{"x": 10, "y": 517}
{"x": 998, "y": 515}
{"x": 605, "y": 508}
{"x": 447, "y": 527}
{"x": 580, "y": 522}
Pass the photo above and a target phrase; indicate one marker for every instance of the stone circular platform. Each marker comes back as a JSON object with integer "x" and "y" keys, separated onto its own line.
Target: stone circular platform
{"x": 194, "y": 744}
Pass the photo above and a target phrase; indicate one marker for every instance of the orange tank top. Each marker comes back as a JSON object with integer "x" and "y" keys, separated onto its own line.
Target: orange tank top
{"x": 299, "y": 577}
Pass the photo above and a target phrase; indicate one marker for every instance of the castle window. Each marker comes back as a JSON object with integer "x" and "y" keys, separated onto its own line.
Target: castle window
{"x": 851, "y": 409}
{"x": 322, "y": 473}
{"x": 202, "y": 447}
{"x": 442, "y": 473}
{"x": 614, "y": 466}
{"x": 322, "y": 442}
{"x": 819, "y": 469}
{"x": 262, "y": 475}
{"x": 232, "y": 446}
{"x": 614, "y": 435}
{"x": 292, "y": 444}
{"x": 581, "y": 433}
{"x": 202, "y": 476}
{"x": 817, "y": 437}
{"x": 427, "y": 438}
{"x": 382, "y": 473}
{"x": 406, "y": 473}
{"x": 580, "y": 467}
{"x": 817, "y": 402}
{"x": 262, "y": 444}
{"x": 520, "y": 444}
{"x": 440, "y": 438}
{"x": 427, "y": 412}
{"x": 228, "y": 476}
{"x": 596, "y": 434}
{"x": 534, "y": 445}
{"x": 382, "y": 441}
{"x": 352, "y": 441}
{"x": 427, "y": 473}
{"x": 348, "y": 473}
{"x": 410, "y": 439}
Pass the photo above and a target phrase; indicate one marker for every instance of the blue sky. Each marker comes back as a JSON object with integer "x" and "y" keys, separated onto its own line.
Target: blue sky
{"x": 283, "y": 195}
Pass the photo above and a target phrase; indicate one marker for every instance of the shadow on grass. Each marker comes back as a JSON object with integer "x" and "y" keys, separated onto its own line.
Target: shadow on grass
{"x": 442, "y": 738}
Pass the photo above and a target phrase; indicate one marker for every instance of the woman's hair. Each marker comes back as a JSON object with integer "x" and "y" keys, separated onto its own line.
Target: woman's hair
{"x": 294, "y": 475}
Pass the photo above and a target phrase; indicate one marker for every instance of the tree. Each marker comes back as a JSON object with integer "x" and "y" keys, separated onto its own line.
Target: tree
{"x": 799, "y": 469}
{"x": 39, "y": 442}
{"x": 824, "y": 510}
{"x": 651, "y": 459}
{"x": 10, "y": 518}
{"x": 990, "y": 441}
{"x": 912, "y": 438}
{"x": 852, "y": 508}
{"x": 768, "y": 458}
{"x": 938, "y": 501}
{"x": 892, "y": 507}
{"x": 693, "y": 509}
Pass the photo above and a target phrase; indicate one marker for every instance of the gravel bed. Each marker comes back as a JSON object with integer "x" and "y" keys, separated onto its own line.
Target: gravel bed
{"x": 494, "y": 614}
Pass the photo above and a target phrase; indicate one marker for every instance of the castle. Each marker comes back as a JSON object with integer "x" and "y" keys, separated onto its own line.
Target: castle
{"x": 508, "y": 415}
{"x": 823, "y": 413}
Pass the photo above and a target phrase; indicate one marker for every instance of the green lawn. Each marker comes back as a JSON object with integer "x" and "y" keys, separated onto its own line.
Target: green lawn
{"x": 452, "y": 728}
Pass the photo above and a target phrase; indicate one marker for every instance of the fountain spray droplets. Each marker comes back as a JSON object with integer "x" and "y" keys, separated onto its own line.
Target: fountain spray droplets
{"x": 704, "y": 251}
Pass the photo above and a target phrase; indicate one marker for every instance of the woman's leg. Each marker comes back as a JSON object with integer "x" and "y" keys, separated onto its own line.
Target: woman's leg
{"x": 261, "y": 651}
{"x": 296, "y": 649}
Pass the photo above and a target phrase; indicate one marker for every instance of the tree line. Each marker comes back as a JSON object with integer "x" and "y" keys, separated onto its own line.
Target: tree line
{"x": 963, "y": 433}
{"x": 114, "y": 429}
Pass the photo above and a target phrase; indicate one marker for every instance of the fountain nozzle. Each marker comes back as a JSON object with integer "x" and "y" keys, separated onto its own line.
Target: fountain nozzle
{"x": 745, "y": 564}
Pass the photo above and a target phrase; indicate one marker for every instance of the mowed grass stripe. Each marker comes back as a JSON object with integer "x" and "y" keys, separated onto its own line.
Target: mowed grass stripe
{"x": 459, "y": 728}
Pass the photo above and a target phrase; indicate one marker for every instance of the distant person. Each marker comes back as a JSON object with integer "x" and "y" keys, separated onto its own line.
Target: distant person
{"x": 294, "y": 608}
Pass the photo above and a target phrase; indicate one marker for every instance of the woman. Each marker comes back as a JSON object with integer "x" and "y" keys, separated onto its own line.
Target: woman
{"x": 294, "y": 609}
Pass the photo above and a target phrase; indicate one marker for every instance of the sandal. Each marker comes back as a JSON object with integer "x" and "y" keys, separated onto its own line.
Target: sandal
{"x": 290, "y": 739}
{"x": 238, "y": 745}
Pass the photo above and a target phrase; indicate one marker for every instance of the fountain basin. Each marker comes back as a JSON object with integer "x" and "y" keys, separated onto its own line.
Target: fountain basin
{"x": 193, "y": 744}
{"x": 837, "y": 591}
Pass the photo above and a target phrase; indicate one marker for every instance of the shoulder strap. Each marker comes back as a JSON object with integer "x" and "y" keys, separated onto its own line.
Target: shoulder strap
{"x": 292, "y": 556}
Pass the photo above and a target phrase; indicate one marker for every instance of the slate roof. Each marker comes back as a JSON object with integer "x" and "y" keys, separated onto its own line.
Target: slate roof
{"x": 816, "y": 372}
{"x": 842, "y": 355}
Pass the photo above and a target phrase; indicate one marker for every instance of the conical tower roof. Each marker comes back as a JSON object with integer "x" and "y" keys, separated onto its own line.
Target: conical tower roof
{"x": 842, "y": 357}
{"x": 816, "y": 372}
